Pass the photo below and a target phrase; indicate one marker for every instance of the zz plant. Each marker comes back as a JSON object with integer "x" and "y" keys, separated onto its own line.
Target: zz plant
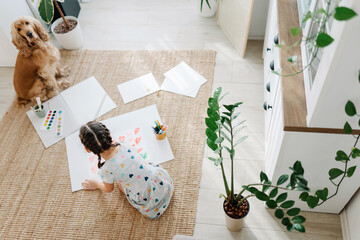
{"x": 223, "y": 128}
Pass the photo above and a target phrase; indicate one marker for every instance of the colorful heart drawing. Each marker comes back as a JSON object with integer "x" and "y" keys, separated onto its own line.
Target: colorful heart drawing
{"x": 129, "y": 150}
{"x": 147, "y": 210}
{"x": 146, "y": 178}
{"x": 137, "y": 140}
{"x": 130, "y": 140}
{"x": 139, "y": 150}
{"x": 132, "y": 157}
{"x": 161, "y": 183}
{"x": 137, "y": 130}
{"x": 156, "y": 200}
{"x": 141, "y": 167}
{"x": 131, "y": 175}
{"x": 155, "y": 181}
{"x": 138, "y": 176}
{"x": 145, "y": 199}
{"x": 93, "y": 169}
{"x": 123, "y": 175}
{"x": 154, "y": 189}
{"x": 144, "y": 155}
{"x": 122, "y": 165}
{"x": 91, "y": 158}
{"x": 122, "y": 138}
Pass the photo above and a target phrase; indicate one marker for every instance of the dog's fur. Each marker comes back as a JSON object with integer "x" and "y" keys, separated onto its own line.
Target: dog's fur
{"x": 37, "y": 69}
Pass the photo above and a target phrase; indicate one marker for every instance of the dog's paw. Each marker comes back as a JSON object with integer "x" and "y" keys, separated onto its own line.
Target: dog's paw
{"x": 63, "y": 72}
{"x": 64, "y": 85}
{"x": 52, "y": 93}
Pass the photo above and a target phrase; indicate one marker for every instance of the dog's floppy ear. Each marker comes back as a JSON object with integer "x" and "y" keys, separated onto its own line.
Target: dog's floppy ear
{"x": 20, "y": 43}
{"x": 38, "y": 27}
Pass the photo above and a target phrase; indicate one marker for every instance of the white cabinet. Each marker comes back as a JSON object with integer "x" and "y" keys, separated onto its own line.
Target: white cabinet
{"x": 291, "y": 131}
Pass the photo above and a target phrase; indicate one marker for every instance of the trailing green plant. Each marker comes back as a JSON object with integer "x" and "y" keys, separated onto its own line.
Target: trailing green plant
{"x": 202, "y": 3}
{"x": 320, "y": 38}
{"x": 223, "y": 126}
{"x": 46, "y": 10}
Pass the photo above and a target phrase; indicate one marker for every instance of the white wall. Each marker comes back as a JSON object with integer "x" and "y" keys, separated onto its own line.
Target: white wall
{"x": 350, "y": 219}
{"x": 9, "y": 11}
{"x": 258, "y": 19}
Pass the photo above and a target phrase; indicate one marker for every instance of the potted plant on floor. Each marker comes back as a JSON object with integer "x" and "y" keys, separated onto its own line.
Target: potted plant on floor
{"x": 66, "y": 29}
{"x": 208, "y": 8}
{"x": 225, "y": 125}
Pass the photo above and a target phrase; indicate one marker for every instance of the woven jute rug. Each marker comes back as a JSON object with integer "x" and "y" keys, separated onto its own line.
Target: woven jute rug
{"x": 36, "y": 201}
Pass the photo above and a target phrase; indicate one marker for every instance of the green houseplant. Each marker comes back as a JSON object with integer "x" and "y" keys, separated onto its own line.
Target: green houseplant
{"x": 223, "y": 128}
{"x": 208, "y": 8}
{"x": 66, "y": 29}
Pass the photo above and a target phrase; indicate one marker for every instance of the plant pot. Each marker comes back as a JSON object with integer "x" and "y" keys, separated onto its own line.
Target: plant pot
{"x": 71, "y": 40}
{"x": 235, "y": 224}
{"x": 206, "y": 11}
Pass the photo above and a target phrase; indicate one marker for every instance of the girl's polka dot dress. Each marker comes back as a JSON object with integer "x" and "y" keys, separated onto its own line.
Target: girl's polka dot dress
{"x": 147, "y": 187}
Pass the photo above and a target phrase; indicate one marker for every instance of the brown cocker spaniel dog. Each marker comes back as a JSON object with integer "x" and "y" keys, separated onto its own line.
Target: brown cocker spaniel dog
{"x": 37, "y": 71}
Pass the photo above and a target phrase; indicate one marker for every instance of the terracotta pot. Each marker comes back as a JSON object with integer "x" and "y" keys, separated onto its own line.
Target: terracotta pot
{"x": 235, "y": 224}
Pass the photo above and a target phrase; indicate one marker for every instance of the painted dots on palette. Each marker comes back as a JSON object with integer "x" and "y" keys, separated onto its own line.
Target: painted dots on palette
{"x": 48, "y": 121}
{"x": 60, "y": 120}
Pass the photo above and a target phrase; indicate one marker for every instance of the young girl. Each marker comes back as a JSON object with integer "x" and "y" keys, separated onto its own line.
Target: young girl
{"x": 147, "y": 187}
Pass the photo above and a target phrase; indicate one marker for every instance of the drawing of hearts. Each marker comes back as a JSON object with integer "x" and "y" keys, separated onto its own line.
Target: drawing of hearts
{"x": 147, "y": 210}
{"x": 91, "y": 158}
{"x": 122, "y": 138}
{"x": 93, "y": 169}
{"x": 122, "y": 165}
{"x": 146, "y": 178}
{"x": 141, "y": 167}
{"x": 156, "y": 200}
{"x": 137, "y": 140}
{"x": 138, "y": 176}
{"x": 155, "y": 181}
{"x": 131, "y": 175}
{"x": 139, "y": 150}
{"x": 137, "y": 130}
{"x": 130, "y": 140}
{"x": 161, "y": 183}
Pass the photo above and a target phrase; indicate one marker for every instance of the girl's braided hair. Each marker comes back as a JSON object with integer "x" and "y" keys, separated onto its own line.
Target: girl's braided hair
{"x": 95, "y": 136}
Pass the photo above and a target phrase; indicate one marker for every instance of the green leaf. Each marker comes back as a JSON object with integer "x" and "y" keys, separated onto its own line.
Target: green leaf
{"x": 253, "y": 190}
{"x": 347, "y": 128}
{"x": 211, "y": 144}
{"x": 273, "y": 192}
{"x": 218, "y": 161}
{"x": 271, "y": 204}
{"x": 225, "y": 136}
{"x": 298, "y": 219}
{"x": 359, "y": 82}
{"x": 218, "y": 150}
{"x": 263, "y": 177}
{"x": 293, "y": 211}
{"x": 212, "y": 159}
{"x": 261, "y": 196}
{"x": 212, "y": 114}
{"x": 240, "y": 140}
{"x": 350, "y": 108}
{"x": 290, "y": 227}
{"x": 223, "y": 96}
{"x": 307, "y": 17}
{"x": 287, "y": 204}
{"x": 303, "y": 196}
{"x": 238, "y": 104}
{"x": 295, "y": 31}
{"x": 227, "y": 149}
{"x": 217, "y": 93}
{"x": 210, "y": 123}
{"x": 219, "y": 140}
{"x": 355, "y": 153}
{"x": 292, "y": 59}
{"x": 211, "y": 135}
{"x": 46, "y": 10}
{"x": 344, "y": 13}
{"x": 323, "y": 40}
{"x": 298, "y": 168}
{"x": 335, "y": 172}
{"x": 282, "y": 197}
{"x": 312, "y": 201}
{"x": 285, "y": 221}
{"x": 282, "y": 179}
{"x": 230, "y": 108}
{"x": 232, "y": 153}
{"x": 322, "y": 194}
{"x": 213, "y": 104}
{"x": 299, "y": 227}
{"x": 292, "y": 181}
{"x": 279, "y": 213}
{"x": 341, "y": 156}
{"x": 235, "y": 115}
{"x": 265, "y": 188}
{"x": 351, "y": 171}
{"x": 227, "y": 114}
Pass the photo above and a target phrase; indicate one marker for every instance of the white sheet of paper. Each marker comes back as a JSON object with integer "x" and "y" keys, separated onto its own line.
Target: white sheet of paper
{"x": 80, "y": 103}
{"x": 169, "y": 86}
{"x": 182, "y": 79}
{"x": 138, "y": 87}
{"x": 157, "y": 151}
{"x": 88, "y": 100}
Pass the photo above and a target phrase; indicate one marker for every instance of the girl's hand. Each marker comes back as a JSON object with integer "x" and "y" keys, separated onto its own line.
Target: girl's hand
{"x": 90, "y": 184}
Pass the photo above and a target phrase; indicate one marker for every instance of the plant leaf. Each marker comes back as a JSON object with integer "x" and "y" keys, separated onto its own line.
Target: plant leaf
{"x": 225, "y": 136}
{"x": 351, "y": 171}
{"x": 282, "y": 179}
{"x": 293, "y": 211}
{"x": 312, "y": 201}
{"x": 271, "y": 204}
{"x": 341, "y": 156}
{"x": 303, "y": 196}
{"x": 295, "y": 31}
{"x": 46, "y": 10}
{"x": 219, "y": 140}
{"x": 218, "y": 150}
{"x": 211, "y": 135}
{"x": 223, "y": 96}
{"x": 261, "y": 196}
{"x": 285, "y": 221}
{"x": 350, "y": 108}
{"x": 235, "y": 115}
{"x": 217, "y": 93}
{"x": 211, "y": 144}
{"x": 287, "y": 204}
{"x": 322, "y": 194}
{"x": 213, "y": 104}
{"x": 227, "y": 149}
{"x": 282, "y": 197}
{"x": 212, "y": 114}
{"x": 298, "y": 219}
{"x": 347, "y": 128}
{"x": 344, "y": 13}
{"x": 307, "y": 17}
{"x": 265, "y": 188}
{"x": 279, "y": 213}
{"x": 273, "y": 192}
{"x": 298, "y": 168}
{"x": 210, "y": 123}
{"x": 230, "y": 108}
{"x": 323, "y": 40}
{"x": 290, "y": 227}
{"x": 355, "y": 153}
{"x": 299, "y": 227}
{"x": 263, "y": 177}
{"x": 240, "y": 140}
{"x": 335, "y": 172}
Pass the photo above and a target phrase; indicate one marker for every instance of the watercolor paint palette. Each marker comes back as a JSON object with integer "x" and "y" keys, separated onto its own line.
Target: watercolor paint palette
{"x": 60, "y": 123}
{"x": 49, "y": 120}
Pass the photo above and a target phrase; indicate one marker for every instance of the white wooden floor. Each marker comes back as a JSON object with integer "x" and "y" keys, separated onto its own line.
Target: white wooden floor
{"x": 176, "y": 24}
